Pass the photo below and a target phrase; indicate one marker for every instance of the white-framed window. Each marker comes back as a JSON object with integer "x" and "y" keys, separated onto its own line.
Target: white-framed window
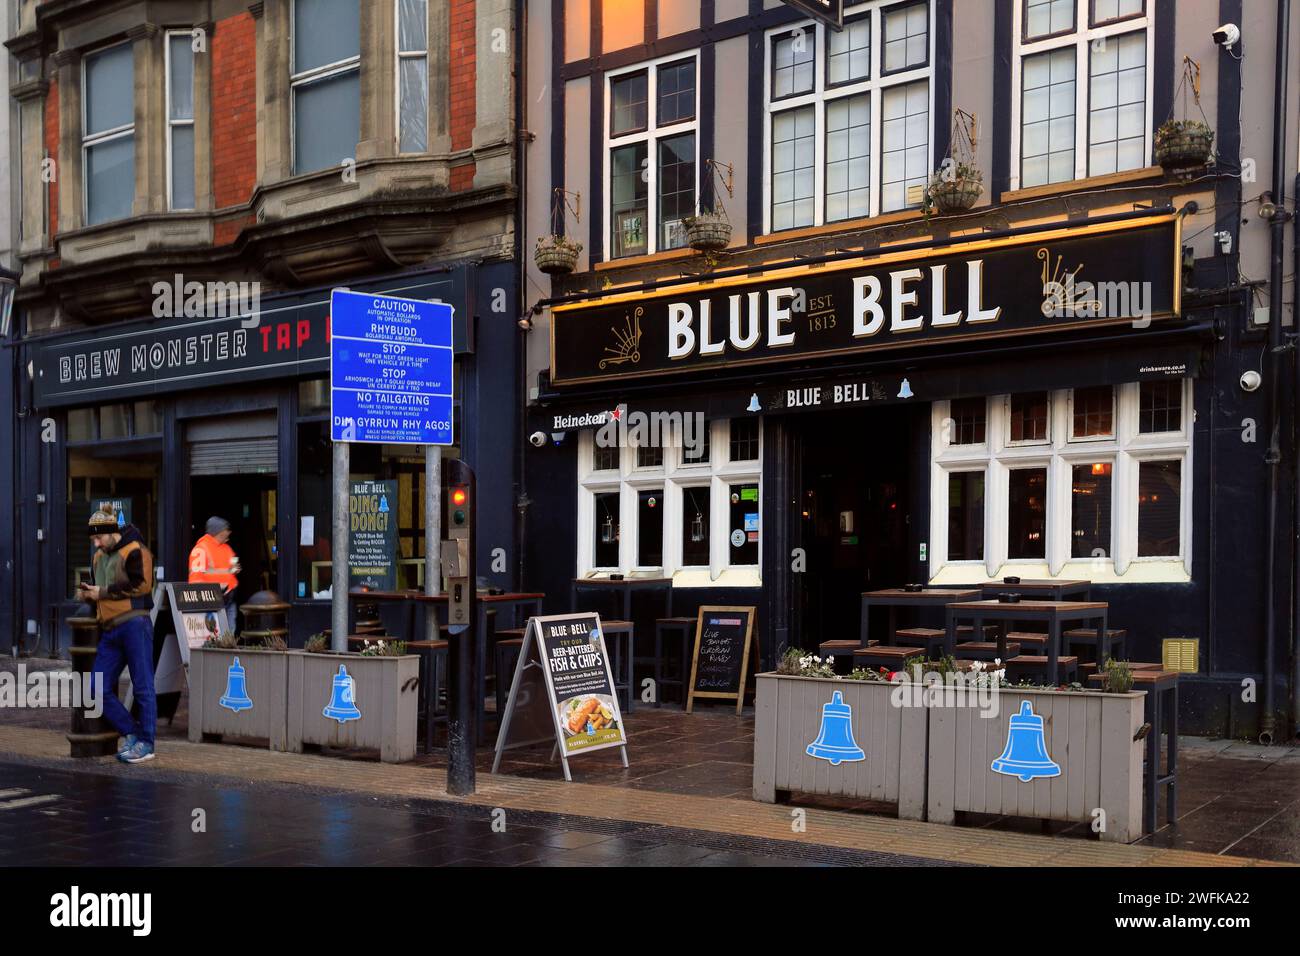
{"x": 180, "y": 119}
{"x": 1088, "y": 482}
{"x": 108, "y": 133}
{"x": 848, "y": 115}
{"x": 325, "y": 83}
{"x": 1082, "y": 84}
{"x": 412, "y": 76}
{"x": 687, "y": 508}
{"x": 652, "y": 161}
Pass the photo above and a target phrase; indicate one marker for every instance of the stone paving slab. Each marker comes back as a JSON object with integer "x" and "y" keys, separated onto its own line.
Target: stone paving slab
{"x": 714, "y": 814}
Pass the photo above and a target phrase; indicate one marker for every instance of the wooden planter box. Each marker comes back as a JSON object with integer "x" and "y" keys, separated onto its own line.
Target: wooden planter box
{"x": 1089, "y": 736}
{"x": 788, "y": 718}
{"x": 385, "y": 692}
{"x": 259, "y": 711}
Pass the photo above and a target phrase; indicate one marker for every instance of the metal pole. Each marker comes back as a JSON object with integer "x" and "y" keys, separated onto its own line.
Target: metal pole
{"x": 432, "y": 532}
{"x": 339, "y": 553}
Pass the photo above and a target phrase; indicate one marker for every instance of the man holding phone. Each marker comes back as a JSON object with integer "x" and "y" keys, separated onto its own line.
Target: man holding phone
{"x": 121, "y": 590}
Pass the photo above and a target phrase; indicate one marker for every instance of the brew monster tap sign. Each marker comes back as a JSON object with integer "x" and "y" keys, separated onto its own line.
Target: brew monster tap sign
{"x": 1077, "y": 277}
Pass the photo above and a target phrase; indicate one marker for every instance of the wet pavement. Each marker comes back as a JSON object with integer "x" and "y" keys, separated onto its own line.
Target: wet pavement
{"x": 117, "y": 816}
{"x": 1233, "y": 797}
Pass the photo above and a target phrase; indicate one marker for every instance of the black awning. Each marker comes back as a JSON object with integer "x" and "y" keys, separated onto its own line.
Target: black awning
{"x": 1169, "y": 352}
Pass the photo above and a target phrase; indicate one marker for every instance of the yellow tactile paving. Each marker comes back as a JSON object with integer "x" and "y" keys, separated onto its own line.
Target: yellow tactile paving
{"x": 714, "y": 814}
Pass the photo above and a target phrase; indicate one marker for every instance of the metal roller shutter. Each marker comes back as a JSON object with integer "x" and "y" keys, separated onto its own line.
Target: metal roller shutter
{"x": 239, "y": 456}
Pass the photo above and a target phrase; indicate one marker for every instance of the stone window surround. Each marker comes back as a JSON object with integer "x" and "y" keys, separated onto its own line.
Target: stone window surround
{"x": 278, "y": 192}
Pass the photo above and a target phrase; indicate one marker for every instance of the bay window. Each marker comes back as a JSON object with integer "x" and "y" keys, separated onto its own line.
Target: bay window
{"x": 684, "y": 506}
{"x": 325, "y": 83}
{"x": 848, "y": 126}
{"x": 652, "y": 155}
{"x": 1082, "y": 81}
{"x": 1091, "y": 482}
{"x": 180, "y": 120}
{"x": 412, "y": 76}
{"x": 108, "y": 134}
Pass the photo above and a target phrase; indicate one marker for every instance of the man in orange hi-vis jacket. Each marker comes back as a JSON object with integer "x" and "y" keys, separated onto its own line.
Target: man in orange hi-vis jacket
{"x": 213, "y": 561}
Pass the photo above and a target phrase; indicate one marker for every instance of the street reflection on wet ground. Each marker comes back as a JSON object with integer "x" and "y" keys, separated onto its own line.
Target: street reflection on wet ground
{"x": 54, "y": 817}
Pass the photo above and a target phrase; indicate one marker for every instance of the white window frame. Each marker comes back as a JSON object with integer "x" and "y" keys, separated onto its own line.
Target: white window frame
{"x": 399, "y": 56}
{"x": 1124, "y": 451}
{"x": 309, "y": 77}
{"x": 717, "y": 475}
{"x": 650, "y": 136}
{"x": 105, "y": 136}
{"x": 173, "y": 123}
{"x": 1082, "y": 38}
{"x": 875, "y": 85}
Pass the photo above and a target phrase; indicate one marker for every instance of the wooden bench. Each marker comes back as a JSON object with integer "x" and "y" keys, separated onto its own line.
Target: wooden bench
{"x": 842, "y": 652}
{"x": 966, "y": 632}
{"x": 1032, "y": 665}
{"x": 892, "y": 658}
{"x": 1160, "y": 711}
{"x": 1029, "y": 640}
{"x": 985, "y": 651}
{"x": 928, "y": 639}
{"x": 1113, "y": 644}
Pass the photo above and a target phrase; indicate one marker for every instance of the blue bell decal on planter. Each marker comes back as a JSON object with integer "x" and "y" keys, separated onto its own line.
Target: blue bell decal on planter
{"x": 236, "y": 696}
{"x": 1026, "y": 753}
{"x": 342, "y": 706}
{"x": 835, "y": 739}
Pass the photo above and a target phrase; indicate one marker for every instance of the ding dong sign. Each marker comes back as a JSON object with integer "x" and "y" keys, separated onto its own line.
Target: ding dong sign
{"x": 1080, "y": 277}
{"x": 829, "y": 11}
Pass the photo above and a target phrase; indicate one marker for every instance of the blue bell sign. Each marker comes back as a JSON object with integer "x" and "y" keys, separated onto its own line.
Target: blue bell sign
{"x": 236, "y": 696}
{"x": 835, "y": 741}
{"x": 342, "y": 706}
{"x": 1026, "y": 755}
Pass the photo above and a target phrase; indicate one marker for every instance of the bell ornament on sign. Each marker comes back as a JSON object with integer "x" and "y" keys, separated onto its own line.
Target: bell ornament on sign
{"x": 342, "y": 706}
{"x": 753, "y": 404}
{"x": 1026, "y": 753}
{"x": 236, "y": 696}
{"x": 905, "y": 391}
{"x": 835, "y": 741}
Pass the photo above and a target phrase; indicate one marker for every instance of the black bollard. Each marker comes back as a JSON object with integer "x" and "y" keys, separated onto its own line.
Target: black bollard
{"x": 90, "y": 736}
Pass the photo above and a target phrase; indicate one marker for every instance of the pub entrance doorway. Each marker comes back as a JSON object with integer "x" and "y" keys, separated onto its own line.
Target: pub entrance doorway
{"x": 854, "y": 512}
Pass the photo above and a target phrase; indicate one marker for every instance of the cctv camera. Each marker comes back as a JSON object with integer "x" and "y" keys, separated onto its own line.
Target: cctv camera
{"x": 538, "y": 439}
{"x": 1250, "y": 380}
{"x": 1227, "y": 35}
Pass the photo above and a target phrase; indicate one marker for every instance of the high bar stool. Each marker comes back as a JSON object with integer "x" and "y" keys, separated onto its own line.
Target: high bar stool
{"x": 618, "y": 642}
{"x": 509, "y": 645}
{"x": 682, "y": 627}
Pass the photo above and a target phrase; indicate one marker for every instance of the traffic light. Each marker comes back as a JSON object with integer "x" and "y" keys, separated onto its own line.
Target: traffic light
{"x": 459, "y": 505}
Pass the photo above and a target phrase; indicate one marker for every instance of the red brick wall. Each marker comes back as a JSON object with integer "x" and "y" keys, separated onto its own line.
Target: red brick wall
{"x": 234, "y": 110}
{"x": 52, "y": 149}
{"x": 463, "y": 57}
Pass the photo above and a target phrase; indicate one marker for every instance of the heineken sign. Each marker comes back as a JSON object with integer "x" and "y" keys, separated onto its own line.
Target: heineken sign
{"x": 1068, "y": 278}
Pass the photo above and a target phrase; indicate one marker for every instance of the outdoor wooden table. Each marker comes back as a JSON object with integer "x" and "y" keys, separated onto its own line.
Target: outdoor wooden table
{"x": 1052, "y": 613}
{"x": 894, "y": 598}
{"x": 528, "y": 602}
{"x": 625, "y": 587}
{"x": 1046, "y": 589}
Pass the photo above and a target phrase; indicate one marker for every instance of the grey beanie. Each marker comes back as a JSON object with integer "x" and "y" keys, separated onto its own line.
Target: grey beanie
{"x": 217, "y": 525}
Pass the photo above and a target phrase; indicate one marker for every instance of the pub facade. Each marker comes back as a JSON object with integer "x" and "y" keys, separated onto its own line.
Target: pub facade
{"x": 864, "y": 385}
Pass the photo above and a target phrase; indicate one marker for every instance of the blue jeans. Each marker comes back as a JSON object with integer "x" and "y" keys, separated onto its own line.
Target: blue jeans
{"x": 129, "y": 645}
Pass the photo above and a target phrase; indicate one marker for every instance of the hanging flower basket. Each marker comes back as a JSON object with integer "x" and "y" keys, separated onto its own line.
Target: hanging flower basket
{"x": 1183, "y": 144}
{"x": 708, "y": 232}
{"x": 956, "y": 190}
{"x": 556, "y": 255}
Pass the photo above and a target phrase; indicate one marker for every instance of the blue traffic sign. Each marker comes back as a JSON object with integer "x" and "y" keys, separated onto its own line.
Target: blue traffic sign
{"x": 390, "y": 369}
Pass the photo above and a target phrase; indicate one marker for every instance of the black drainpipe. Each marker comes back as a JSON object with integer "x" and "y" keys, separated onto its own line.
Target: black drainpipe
{"x": 521, "y": 278}
{"x": 1295, "y": 398}
{"x": 1274, "y": 456}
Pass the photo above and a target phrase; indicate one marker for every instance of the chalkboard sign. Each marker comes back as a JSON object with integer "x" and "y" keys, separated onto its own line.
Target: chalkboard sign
{"x": 721, "y": 659}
